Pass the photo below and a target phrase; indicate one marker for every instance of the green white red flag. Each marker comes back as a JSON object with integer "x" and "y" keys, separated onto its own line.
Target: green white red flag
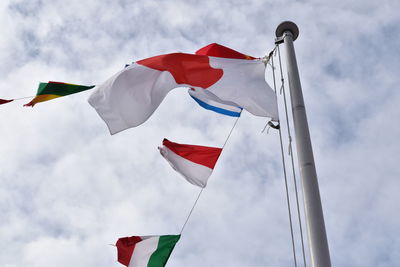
{"x": 146, "y": 251}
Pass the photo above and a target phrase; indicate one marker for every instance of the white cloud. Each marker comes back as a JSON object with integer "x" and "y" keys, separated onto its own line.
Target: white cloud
{"x": 68, "y": 189}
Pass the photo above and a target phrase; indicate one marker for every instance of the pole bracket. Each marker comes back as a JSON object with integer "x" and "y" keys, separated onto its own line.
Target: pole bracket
{"x": 279, "y": 40}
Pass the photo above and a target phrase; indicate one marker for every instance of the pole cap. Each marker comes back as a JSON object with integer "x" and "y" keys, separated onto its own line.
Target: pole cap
{"x": 287, "y": 26}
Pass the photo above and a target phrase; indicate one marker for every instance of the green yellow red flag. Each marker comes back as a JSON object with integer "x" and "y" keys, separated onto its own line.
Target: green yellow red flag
{"x": 51, "y": 90}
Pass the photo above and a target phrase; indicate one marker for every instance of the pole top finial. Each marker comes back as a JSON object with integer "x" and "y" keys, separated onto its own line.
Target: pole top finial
{"x": 287, "y": 26}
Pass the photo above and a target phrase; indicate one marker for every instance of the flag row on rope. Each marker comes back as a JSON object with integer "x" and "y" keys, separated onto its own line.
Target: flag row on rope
{"x": 51, "y": 90}
{"x": 219, "y": 79}
{"x": 195, "y": 163}
{"x": 225, "y": 85}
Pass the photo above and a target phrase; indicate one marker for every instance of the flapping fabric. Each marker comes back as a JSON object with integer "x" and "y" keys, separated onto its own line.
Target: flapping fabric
{"x": 194, "y": 163}
{"x": 4, "y": 101}
{"x": 146, "y": 251}
{"x": 130, "y": 97}
{"x": 217, "y": 50}
{"x": 206, "y": 98}
{"x": 51, "y": 90}
{"x": 211, "y": 102}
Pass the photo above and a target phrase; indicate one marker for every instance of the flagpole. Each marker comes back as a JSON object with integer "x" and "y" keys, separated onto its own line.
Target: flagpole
{"x": 286, "y": 33}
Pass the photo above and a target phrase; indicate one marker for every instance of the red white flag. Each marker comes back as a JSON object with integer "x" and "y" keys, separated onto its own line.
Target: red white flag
{"x": 130, "y": 97}
{"x": 195, "y": 163}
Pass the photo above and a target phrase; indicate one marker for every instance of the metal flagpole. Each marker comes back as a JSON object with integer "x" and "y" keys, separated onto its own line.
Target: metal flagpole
{"x": 286, "y": 33}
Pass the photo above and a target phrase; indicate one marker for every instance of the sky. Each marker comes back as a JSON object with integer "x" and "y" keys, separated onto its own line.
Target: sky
{"x": 68, "y": 189}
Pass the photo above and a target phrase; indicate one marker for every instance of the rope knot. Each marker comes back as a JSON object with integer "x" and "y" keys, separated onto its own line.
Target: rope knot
{"x": 269, "y": 125}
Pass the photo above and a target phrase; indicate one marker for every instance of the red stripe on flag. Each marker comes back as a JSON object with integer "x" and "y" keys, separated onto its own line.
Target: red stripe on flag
{"x": 56, "y": 82}
{"x": 125, "y": 247}
{"x": 4, "y": 101}
{"x": 187, "y": 69}
{"x": 203, "y": 155}
{"x": 217, "y": 50}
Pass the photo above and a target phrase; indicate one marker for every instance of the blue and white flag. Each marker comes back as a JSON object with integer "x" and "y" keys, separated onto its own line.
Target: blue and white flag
{"x": 211, "y": 102}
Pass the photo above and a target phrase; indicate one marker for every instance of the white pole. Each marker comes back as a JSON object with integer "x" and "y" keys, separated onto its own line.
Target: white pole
{"x": 286, "y": 33}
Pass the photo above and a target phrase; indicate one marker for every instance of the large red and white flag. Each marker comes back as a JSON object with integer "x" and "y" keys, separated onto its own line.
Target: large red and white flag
{"x": 145, "y": 251}
{"x": 130, "y": 97}
{"x": 195, "y": 163}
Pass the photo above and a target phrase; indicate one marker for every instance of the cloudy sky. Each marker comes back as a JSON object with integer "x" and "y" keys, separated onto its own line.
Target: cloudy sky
{"x": 68, "y": 189}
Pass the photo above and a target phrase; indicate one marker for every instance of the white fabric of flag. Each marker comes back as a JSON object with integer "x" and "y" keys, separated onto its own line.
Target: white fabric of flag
{"x": 131, "y": 96}
{"x": 195, "y": 163}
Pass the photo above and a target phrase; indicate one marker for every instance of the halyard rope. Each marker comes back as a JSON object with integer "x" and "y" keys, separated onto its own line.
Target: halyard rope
{"x": 191, "y": 210}
{"x": 285, "y": 176}
{"x": 291, "y": 156}
{"x": 201, "y": 191}
{"x": 20, "y": 98}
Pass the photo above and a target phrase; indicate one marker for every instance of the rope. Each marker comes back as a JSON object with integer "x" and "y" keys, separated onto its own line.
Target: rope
{"x": 292, "y": 161}
{"x": 270, "y": 125}
{"x": 23, "y": 97}
{"x": 201, "y": 191}
{"x": 20, "y": 98}
{"x": 285, "y": 177}
{"x": 229, "y": 135}
{"x": 191, "y": 210}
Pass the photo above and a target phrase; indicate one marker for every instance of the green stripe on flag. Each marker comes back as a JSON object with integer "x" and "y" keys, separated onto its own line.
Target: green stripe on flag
{"x": 61, "y": 89}
{"x": 166, "y": 244}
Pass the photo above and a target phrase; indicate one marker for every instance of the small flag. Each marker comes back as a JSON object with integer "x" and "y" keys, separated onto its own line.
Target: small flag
{"x": 51, "y": 90}
{"x": 146, "y": 251}
{"x": 195, "y": 163}
{"x": 211, "y": 102}
{"x": 130, "y": 97}
{"x": 4, "y": 101}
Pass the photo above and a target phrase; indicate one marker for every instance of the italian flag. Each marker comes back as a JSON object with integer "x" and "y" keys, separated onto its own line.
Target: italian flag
{"x": 146, "y": 251}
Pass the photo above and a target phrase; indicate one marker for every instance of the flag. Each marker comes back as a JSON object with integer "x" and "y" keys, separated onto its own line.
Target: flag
{"x": 195, "y": 163}
{"x": 51, "y": 90}
{"x": 217, "y": 50}
{"x": 146, "y": 251}
{"x": 204, "y": 97}
{"x": 211, "y": 102}
{"x": 3, "y": 101}
{"x": 130, "y": 97}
